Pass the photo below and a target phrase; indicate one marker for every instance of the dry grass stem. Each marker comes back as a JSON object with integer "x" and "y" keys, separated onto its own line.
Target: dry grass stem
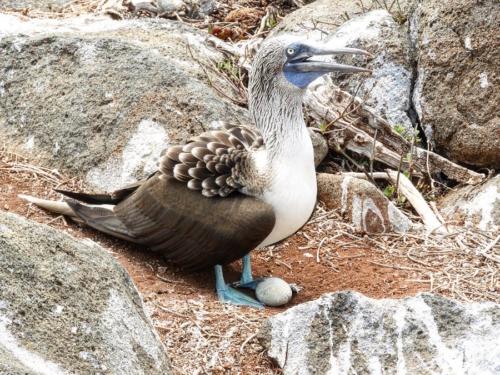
{"x": 448, "y": 263}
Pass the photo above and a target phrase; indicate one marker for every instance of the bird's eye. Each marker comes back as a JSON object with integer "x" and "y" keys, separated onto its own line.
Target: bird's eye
{"x": 290, "y": 51}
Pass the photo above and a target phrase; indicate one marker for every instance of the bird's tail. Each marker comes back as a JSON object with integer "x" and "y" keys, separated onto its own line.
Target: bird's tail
{"x": 100, "y": 217}
{"x": 56, "y": 207}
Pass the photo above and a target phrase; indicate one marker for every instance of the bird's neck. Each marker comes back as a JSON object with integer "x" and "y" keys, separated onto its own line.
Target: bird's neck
{"x": 280, "y": 119}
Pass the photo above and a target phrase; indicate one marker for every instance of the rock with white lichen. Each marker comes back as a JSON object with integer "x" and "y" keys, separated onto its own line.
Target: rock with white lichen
{"x": 348, "y": 333}
{"x": 477, "y": 206}
{"x": 34, "y": 5}
{"x": 362, "y": 204}
{"x": 102, "y": 98}
{"x": 169, "y": 6}
{"x": 67, "y": 307}
{"x": 456, "y": 92}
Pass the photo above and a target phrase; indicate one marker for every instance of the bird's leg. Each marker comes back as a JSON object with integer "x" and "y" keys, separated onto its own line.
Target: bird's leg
{"x": 247, "y": 280}
{"x": 246, "y": 274}
{"x": 228, "y": 294}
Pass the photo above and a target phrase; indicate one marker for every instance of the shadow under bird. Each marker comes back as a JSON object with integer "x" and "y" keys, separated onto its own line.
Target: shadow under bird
{"x": 226, "y": 191}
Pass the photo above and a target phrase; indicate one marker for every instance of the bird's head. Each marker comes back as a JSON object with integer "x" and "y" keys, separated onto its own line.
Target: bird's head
{"x": 291, "y": 65}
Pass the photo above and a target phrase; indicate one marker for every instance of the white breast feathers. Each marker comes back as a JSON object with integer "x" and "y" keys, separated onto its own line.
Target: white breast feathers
{"x": 292, "y": 190}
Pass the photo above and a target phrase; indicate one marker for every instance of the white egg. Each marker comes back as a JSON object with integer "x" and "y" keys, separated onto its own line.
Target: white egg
{"x": 273, "y": 292}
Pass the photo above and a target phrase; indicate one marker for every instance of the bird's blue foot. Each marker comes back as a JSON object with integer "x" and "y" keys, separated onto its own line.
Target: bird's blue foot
{"x": 247, "y": 281}
{"x": 228, "y": 294}
{"x": 248, "y": 285}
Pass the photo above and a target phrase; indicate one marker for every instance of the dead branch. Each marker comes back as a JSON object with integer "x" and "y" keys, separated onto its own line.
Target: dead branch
{"x": 431, "y": 221}
{"x": 490, "y": 246}
{"x": 355, "y": 132}
{"x": 375, "y": 175}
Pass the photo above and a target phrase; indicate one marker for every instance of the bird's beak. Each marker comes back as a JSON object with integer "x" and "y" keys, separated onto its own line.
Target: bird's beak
{"x": 303, "y": 64}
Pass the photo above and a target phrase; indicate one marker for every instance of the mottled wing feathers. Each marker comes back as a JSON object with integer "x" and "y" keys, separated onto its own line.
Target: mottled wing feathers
{"x": 214, "y": 161}
{"x": 188, "y": 229}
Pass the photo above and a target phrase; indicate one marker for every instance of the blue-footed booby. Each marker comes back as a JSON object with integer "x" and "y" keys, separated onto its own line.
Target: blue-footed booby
{"x": 226, "y": 191}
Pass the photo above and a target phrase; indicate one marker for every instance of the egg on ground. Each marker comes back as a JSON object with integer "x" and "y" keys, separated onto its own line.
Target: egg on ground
{"x": 273, "y": 292}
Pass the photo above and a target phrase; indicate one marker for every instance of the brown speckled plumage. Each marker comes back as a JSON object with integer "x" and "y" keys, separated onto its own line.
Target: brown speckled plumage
{"x": 214, "y": 162}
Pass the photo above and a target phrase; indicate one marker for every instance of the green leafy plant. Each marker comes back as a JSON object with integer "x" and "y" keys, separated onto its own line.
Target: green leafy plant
{"x": 389, "y": 191}
{"x": 271, "y": 22}
{"x": 400, "y": 129}
{"x": 323, "y": 127}
{"x": 408, "y": 135}
{"x": 407, "y": 159}
{"x": 228, "y": 67}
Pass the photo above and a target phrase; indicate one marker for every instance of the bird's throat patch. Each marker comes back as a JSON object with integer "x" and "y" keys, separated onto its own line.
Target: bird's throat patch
{"x": 301, "y": 79}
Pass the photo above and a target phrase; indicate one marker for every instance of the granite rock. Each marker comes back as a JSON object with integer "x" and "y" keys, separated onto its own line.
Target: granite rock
{"x": 347, "y": 333}
{"x": 456, "y": 94}
{"x": 66, "y": 306}
{"x": 100, "y": 98}
{"x": 476, "y": 206}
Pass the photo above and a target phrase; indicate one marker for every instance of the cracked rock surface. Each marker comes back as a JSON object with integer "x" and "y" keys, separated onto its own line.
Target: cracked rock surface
{"x": 456, "y": 92}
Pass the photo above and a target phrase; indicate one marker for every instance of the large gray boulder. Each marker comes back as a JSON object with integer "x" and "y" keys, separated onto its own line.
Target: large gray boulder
{"x": 102, "y": 98}
{"x": 347, "y": 333}
{"x": 456, "y": 92}
{"x": 347, "y": 24}
{"x": 67, "y": 307}
{"x": 324, "y": 16}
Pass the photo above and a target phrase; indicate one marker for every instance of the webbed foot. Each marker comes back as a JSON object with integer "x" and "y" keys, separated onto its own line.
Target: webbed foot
{"x": 228, "y": 294}
{"x": 247, "y": 281}
{"x": 249, "y": 284}
{"x": 231, "y": 295}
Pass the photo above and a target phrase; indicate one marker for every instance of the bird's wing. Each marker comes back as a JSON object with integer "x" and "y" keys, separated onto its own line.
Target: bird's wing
{"x": 167, "y": 213}
{"x": 187, "y": 228}
{"x": 214, "y": 162}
